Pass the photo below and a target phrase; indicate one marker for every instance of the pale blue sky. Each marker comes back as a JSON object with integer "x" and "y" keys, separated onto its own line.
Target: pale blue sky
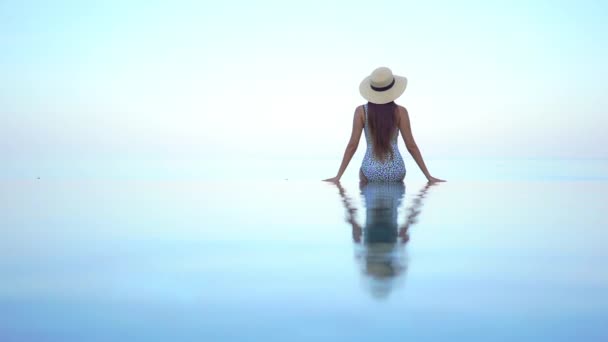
{"x": 277, "y": 79}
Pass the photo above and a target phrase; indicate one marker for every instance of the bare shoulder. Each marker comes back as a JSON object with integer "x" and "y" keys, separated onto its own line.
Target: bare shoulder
{"x": 401, "y": 114}
{"x": 360, "y": 113}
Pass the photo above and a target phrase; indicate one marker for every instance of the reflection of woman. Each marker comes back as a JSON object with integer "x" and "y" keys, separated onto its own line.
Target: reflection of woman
{"x": 381, "y": 257}
{"x": 382, "y": 120}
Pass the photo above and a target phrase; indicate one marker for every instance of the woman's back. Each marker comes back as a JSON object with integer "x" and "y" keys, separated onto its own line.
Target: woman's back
{"x": 388, "y": 167}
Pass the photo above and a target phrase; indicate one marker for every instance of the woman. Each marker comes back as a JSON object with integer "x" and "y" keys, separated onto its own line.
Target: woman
{"x": 382, "y": 121}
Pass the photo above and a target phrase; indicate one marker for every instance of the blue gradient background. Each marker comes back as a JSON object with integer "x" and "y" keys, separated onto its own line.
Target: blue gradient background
{"x": 159, "y": 80}
{"x": 160, "y": 167}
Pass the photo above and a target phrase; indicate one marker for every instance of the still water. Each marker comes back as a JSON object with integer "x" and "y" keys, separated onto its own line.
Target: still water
{"x": 292, "y": 259}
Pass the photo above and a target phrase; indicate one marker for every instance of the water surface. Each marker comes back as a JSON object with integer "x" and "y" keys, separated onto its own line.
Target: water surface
{"x": 517, "y": 257}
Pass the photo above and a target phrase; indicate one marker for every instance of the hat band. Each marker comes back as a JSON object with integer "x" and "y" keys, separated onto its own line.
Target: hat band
{"x": 384, "y": 88}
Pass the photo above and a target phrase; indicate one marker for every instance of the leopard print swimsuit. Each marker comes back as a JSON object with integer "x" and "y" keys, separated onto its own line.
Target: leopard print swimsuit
{"x": 391, "y": 170}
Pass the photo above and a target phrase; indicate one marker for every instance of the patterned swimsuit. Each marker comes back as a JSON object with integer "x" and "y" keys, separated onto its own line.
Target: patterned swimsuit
{"x": 391, "y": 170}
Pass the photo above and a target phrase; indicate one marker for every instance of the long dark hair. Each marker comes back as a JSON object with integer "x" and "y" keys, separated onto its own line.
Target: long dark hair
{"x": 382, "y": 124}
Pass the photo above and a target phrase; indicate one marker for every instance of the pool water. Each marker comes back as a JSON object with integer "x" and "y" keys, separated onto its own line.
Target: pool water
{"x": 517, "y": 256}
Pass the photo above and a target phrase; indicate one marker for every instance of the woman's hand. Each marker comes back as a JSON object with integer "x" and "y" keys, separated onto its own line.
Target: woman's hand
{"x": 432, "y": 180}
{"x": 333, "y": 179}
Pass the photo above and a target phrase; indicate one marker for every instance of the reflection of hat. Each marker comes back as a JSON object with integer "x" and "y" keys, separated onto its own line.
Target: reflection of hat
{"x": 384, "y": 263}
{"x": 382, "y": 86}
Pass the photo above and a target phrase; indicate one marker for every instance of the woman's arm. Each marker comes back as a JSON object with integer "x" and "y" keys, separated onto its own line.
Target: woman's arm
{"x": 353, "y": 143}
{"x": 410, "y": 144}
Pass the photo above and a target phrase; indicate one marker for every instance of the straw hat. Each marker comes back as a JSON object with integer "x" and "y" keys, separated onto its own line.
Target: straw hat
{"x": 382, "y": 86}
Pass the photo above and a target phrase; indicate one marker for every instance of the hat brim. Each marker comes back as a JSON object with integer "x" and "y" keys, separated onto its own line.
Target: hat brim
{"x": 382, "y": 97}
